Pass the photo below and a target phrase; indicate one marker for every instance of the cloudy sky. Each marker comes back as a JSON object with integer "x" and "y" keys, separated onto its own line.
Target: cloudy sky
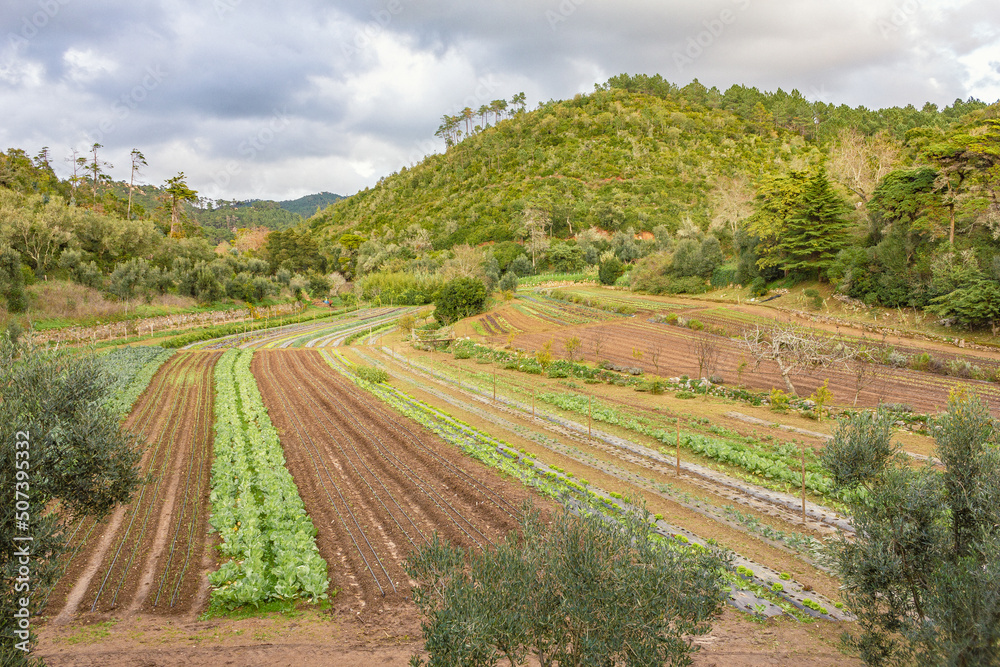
{"x": 255, "y": 99}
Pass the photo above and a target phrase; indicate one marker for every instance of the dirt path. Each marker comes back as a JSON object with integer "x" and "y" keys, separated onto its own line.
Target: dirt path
{"x": 376, "y": 485}
{"x": 150, "y": 555}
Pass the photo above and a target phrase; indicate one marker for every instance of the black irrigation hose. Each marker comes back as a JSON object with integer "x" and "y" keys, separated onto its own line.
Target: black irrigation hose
{"x": 418, "y": 478}
{"x": 206, "y": 456}
{"x": 304, "y": 437}
{"x": 182, "y": 364}
{"x": 510, "y": 509}
{"x": 205, "y": 385}
{"x": 374, "y": 475}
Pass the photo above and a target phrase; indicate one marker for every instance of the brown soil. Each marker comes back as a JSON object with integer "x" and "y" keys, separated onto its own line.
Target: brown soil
{"x": 376, "y": 485}
{"x": 612, "y": 469}
{"x": 152, "y": 555}
{"x": 310, "y": 639}
{"x": 671, "y": 351}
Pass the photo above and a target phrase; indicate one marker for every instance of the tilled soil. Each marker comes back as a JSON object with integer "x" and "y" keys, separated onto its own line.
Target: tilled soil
{"x": 153, "y": 555}
{"x": 376, "y": 485}
{"x": 668, "y": 350}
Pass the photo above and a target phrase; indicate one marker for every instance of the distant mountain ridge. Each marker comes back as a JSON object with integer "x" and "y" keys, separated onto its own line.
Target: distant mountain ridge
{"x": 306, "y": 206}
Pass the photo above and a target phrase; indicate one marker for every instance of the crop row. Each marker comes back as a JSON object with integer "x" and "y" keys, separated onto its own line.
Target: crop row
{"x": 131, "y": 369}
{"x": 776, "y": 464}
{"x": 557, "y": 483}
{"x": 266, "y": 534}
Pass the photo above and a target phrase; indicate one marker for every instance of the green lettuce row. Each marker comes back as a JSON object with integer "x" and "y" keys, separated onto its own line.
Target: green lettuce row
{"x": 266, "y": 534}
{"x": 774, "y": 465}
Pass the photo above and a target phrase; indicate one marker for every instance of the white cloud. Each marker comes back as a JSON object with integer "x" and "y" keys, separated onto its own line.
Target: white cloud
{"x": 363, "y": 84}
{"x": 85, "y": 65}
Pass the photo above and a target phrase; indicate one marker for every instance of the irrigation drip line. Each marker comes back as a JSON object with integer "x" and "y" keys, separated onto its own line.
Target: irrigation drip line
{"x": 304, "y": 437}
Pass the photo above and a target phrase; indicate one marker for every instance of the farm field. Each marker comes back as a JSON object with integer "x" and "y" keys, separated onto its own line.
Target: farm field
{"x": 377, "y": 480}
{"x": 375, "y": 485}
{"x": 332, "y": 331}
{"x": 670, "y": 351}
{"x": 151, "y": 556}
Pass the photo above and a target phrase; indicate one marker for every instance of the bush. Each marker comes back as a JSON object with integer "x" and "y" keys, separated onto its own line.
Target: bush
{"x": 574, "y": 592}
{"x": 695, "y": 325}
{"x": 779, "y": 400}
{"x": 508, "y": 283}
{"x": 610, "y": 271}
{"x": 758, "y": 287}
{"x": 815, "y": 300}
{"x": 461, "y": 297}
{"x": 921, "y": 362}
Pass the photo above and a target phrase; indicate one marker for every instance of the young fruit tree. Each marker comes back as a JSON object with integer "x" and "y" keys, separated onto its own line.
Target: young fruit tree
{"x": 581, "y": 591}
{"x": 922, "y": 573}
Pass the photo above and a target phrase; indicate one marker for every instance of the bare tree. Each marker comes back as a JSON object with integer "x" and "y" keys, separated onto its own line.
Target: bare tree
{"x": 863, "y": 365}
{"x": 859, "y": 162}
{"x": 138, "y": 161}
{"x": 600, "y": 337}
{"x": 792, "y": 349}
{"x": 705, "y": 349}
{"x": 655, "y": 351}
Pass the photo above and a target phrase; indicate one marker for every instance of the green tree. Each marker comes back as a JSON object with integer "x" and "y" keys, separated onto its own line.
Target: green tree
{"x": 566, "y": 257}
{"x": 129, "y": 279}
{"x": 922, "y": 573}
{"x": 817, "y": 230}
{"x": 461, "y": 297}
{"x": 177, "y": 192}
{"x": 78, "y": 462}
{"x": 576, "y": 592}
{"x": 801, "y": 223}
{"x": 611, "y": 269}
{"x": 12, "y": 281}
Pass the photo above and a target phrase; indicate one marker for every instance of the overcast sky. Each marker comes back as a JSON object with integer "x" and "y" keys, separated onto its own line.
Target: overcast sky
{"x": 256, "y": 99}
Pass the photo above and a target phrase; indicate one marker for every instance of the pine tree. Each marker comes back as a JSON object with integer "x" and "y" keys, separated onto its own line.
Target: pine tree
{"x": 817, "y": 231}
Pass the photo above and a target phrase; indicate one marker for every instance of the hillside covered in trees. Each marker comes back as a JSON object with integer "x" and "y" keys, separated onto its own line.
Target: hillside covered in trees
{"x": 895, "y": 206}
{"x": 666, "y": 188}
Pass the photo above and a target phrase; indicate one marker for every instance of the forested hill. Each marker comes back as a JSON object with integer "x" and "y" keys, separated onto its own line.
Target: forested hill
{"x": 638, "y": 152}
{"x": 310, "y": 204}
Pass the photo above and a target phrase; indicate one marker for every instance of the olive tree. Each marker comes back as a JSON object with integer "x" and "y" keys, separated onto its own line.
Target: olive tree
{"x": 922, "y": 573}
{"x": 61, "y": 444}
{"x": 580, "y": 591}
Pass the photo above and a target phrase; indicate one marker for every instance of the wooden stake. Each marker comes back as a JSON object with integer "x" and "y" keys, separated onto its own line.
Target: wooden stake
{"x": 588, "y": 415}
{"x": 678, "y": 446}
